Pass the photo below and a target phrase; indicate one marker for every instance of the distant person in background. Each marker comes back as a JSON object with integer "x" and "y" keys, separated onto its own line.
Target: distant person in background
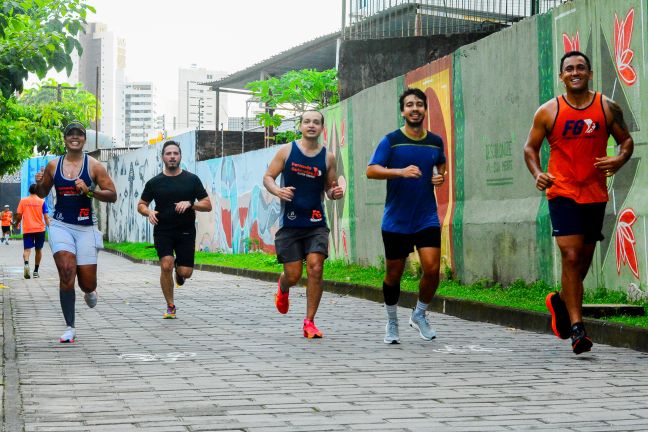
{"x": 178, "y": 195}
{"x": 577, "y": 126}
{"x": 73, "y": 236}
{"x": 32, "y": 213}
{"x": 7, "y": 219}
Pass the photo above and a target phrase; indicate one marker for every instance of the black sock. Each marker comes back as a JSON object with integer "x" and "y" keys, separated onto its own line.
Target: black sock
{"x": 36, "y": 267}
{"x": 67, "y": 306}
{"x": 26, "y": 263}
{"x": 578, "y": 328}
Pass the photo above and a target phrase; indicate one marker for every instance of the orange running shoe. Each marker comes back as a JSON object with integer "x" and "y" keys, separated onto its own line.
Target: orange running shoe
{"x": 560, "y": 323}
{"x": 281, "y": 301}
{"x": 310, "y": 331}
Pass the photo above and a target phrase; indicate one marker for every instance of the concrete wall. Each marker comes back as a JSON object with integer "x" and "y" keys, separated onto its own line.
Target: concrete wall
{"x": 482, "y": 99}
{"x": 365, "y": 63}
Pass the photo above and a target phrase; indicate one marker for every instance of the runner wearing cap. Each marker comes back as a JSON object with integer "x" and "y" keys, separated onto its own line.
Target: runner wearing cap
{"x": 7, "y": 218}
{"x": 73, "y": 236}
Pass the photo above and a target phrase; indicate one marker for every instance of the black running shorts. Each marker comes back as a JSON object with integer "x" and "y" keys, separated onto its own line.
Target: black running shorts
{"x": 571, "y": 218}
{"x": 182, "y": 242}
{"x": 399, "y": 246}
{"x": 293, "y": 244}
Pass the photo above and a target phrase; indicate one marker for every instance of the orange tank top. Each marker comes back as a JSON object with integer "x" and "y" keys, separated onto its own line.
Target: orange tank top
{"x": 7, "y": 217}
{"x": 578, "y": 137}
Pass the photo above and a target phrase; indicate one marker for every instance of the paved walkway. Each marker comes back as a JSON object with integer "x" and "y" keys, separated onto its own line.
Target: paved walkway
{"x": 231, "y": 363}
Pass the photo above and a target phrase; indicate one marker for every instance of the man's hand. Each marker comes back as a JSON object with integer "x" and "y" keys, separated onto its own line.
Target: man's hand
{"x": 286, "y": 193}
{"x": 81, "y": 186}
{"x": 182, "y": 206}
{"x": 610, "y": 164}
{"x": 152, "y": 217}
{"x": 335, "y": 192}
{"x": 544, "y": 180}
{"x": 39, "y": 175}
{"x": 438, "y": 179}
{"x": 411, "y": 171}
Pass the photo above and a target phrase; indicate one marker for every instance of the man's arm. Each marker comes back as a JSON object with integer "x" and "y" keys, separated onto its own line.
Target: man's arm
{"x": 204, "y": 205}
{"x": 619, "y": 131}
{"x": 47, "y": 220}
{"x": 532, "y": 147}
{"x": 273, "y": 171}
{"x": 333, "y": 191}
{"x": 107, "y": 192}
{"x": 45, "y": 179}
{"x": 17, "y": 217}
{"x": 144, "y": 210}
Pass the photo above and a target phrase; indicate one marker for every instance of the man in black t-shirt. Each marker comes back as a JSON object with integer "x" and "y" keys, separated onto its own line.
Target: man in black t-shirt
{"x": 178, "y": 195}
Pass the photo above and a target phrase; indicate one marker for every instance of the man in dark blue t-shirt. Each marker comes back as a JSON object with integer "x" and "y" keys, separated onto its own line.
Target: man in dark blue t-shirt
{"x": 411, "y": 159}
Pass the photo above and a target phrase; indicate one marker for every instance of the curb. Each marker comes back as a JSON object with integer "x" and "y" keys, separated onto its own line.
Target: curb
{"x": 604, "y": 332}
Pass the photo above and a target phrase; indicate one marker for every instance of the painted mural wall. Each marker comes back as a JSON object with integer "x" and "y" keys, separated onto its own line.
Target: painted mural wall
{"x": 481, "y": 102}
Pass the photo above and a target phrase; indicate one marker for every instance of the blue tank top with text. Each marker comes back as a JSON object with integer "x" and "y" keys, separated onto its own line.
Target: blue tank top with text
{"x": 71, "y": 206}
{"x": 307, "y": 174}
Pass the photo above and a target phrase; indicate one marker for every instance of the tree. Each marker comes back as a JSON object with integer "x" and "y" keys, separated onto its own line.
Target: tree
{"x": 37, "y": 36}
{"x": 36, "y": 119}
{"x": 295, "y": 91}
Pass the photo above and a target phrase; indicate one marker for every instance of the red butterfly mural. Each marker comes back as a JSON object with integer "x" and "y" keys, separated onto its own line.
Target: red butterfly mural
{"x": 571, "y": 44}
{"x": 625, "y": 242}
{"x": 622, "y": 53}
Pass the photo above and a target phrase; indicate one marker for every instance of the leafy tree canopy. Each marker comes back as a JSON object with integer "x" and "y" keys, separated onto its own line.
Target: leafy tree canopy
{"x": 295, "y": 91}
{"x": 37, "y": 36}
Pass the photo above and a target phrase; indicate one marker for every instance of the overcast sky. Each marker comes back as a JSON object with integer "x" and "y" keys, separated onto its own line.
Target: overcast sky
{"x": 162, "y": 36}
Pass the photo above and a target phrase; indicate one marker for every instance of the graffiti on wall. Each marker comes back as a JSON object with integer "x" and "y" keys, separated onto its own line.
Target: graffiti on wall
{"x": 435, "y": 79}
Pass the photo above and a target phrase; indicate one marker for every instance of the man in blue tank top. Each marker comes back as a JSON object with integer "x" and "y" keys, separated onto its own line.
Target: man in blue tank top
{"x": 307, "y": 172}
{"x": 73, "y": 237}
{"x": 411, "y": 159}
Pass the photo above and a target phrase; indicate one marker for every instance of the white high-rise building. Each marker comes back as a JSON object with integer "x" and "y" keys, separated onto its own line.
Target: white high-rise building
{"x": 197, "y": 103}
{"x": 139, "y": 113}
{"x": 104, "y": 55}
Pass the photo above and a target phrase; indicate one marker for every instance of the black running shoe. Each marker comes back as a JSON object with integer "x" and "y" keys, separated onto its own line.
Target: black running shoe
{"x": 560, "y": 323}
{"x": 580, "y": 341}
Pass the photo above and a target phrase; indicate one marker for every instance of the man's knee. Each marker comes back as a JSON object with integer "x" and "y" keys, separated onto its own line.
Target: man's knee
{"x": 167, "y": 263}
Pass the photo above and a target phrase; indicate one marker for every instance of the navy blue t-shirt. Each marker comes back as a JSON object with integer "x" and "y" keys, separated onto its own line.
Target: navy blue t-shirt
{"x": 410, "y": 205}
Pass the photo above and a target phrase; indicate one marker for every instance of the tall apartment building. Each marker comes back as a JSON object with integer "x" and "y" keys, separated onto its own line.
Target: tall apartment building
{"x": 197, "y": 103}
{"x": 104, "y": 56}
{"x": 139, "y": 113}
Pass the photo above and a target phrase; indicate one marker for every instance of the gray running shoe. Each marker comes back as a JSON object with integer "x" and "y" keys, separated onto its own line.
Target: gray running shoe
{"x": 91, "y": 299}
{"x": 420, "y": 323}
{"x": 391, "y": 332}
{"x": 26, "y": 271}
{"x": 35, "y": 275}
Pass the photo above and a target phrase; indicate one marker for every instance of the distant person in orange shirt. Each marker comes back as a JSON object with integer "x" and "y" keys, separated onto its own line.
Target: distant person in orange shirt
{"x": 7, "y": 219}
{"x": 32, "y": 211}
{"x": 577, "y": 126}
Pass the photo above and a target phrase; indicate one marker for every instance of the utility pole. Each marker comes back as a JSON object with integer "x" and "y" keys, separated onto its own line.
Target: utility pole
{"x": 97, "y": 110}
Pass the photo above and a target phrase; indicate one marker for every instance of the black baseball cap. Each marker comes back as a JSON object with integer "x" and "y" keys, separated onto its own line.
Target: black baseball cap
{"x": 74, "y": 125}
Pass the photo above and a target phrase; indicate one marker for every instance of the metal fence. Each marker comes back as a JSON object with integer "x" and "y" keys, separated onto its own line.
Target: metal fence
{"x": 377, "y": 19}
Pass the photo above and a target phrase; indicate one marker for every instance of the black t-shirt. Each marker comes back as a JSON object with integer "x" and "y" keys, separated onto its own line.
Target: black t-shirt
{"x": 166, "y": 191}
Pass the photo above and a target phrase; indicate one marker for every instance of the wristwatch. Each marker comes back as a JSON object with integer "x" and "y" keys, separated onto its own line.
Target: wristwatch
{"x": 90, "y": 194}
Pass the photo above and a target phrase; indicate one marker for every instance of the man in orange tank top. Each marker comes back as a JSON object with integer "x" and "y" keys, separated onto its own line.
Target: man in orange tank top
{"x": 7, "y": 219}
{"x": 577, "y": 126}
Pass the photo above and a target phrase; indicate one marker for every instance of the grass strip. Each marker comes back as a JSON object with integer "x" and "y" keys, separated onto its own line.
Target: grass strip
{"x": 519, "y": 295}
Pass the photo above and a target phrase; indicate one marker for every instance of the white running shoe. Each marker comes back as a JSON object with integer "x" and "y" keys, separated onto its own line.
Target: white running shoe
{"x": 419, "y": 322}
{"x": 391, "y": 332}
{"x": 91, "y": 299}
{"x": 68, "y": 336}
{"x": 26, "y": 271}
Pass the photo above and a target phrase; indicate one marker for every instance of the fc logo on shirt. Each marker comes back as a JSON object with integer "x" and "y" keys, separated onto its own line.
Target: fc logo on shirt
{"x": 577, "y": 127}
{"x": 316, "y": 216}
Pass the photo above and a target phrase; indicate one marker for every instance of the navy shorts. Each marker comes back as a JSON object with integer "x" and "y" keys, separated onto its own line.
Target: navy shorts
{"x": 399, "y": 246}
{"x": 6, "y": 229}
{"x": 31, "y": 240}
{"x": 293, "y": 244}
{"x": 181, "y": 241}
{"x": 571, "y": 218}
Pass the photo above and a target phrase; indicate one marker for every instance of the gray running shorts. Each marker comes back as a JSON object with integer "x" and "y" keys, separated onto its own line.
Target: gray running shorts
{"x": 82, "y": 240}
{"x": 293, "y": 244}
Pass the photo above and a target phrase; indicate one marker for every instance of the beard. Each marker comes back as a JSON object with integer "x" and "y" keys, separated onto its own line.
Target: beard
{"x": 173, "y": 166}
{"x": 414, "y": 124}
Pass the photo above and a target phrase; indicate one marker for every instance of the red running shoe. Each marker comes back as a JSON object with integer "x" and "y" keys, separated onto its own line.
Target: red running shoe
{"x": 560, "y": 323}
{"x": 281, "y": 300}
{"x": 310, "y": 331}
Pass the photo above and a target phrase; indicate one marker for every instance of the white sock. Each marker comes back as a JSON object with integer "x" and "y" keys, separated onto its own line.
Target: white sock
{"x": 421, "y": 307}
{"x": 391, "y": 312}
